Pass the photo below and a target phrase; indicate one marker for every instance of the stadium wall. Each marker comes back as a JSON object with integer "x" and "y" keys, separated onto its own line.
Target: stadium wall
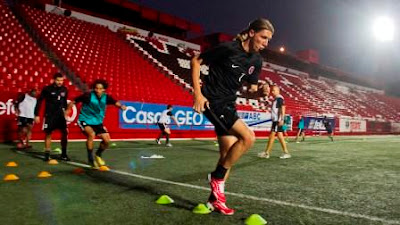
{"x": 138, "y": 122}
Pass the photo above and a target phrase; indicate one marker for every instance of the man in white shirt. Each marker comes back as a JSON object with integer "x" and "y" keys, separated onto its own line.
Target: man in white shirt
{"x": 163, "y": 125}
{"x": 277, "y": 116}
{"x": 25, "y": 111}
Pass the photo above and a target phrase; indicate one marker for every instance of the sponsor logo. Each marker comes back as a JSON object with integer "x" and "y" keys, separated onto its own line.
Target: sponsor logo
{"x": 132, "y": 115}
{"x": 73, "y": 114}
{"x": 234, "y": 66}
{"x": 251, "y": 70}
{"x": 7, "y": 108}
{"x": 143, "y": 116}
{"x": 355, "y": 125}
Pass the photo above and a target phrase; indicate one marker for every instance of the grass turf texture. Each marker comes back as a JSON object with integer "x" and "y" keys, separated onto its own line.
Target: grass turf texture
{"x": 356, "y": 175}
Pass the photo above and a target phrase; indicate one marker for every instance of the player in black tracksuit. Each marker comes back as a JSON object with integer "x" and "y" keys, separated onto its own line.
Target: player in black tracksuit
{"x": 230, "y": 65}
{"x": 328, "y": 127}
{"x": 55, "y": 97}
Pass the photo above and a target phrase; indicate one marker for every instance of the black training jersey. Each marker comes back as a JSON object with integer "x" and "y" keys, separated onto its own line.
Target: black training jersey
{"x": 55, "y": 98}
{"x": 327, "y": 124}
{"x": 230, "y": 65}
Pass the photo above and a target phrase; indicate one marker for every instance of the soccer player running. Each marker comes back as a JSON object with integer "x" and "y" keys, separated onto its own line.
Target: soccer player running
{"x": 278, "y": 115}
{"x": 163, "y": 125}
{"x": 301, "y": 131}
{"x": 286, "y": 121}
{"x": 55, "y": 97}
{"x": 328, "y": 127}
{"x": 25, "y": 111}
{"x": 230, "y": 65}
{"x": 91, "y": 119}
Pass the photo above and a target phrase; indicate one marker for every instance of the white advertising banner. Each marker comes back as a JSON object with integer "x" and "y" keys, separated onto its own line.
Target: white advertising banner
{"x": 395, "y": 127}
{"x": 352, "y": 125}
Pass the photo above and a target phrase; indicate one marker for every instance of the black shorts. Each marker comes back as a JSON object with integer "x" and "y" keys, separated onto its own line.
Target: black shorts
{"x": 24, "y": 122}
{"x": 301, "y": 130}
{"x": 222, "y": 116}
{"x": 162, "y": 126}
{"x": 276, "y": 128}
{"x": 98, "y": 129}
{"x": 329, "y": 130}
{"x": 52, "y": 123}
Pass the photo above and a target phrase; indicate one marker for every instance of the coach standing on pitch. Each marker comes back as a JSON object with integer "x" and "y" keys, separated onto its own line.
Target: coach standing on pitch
{"x": 55, "y": 96}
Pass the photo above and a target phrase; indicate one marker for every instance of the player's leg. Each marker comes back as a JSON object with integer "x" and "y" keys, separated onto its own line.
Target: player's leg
{"x": 159, "y": 137}
{"x": 105, "y": 142}
{"x": 90, "y": 134}
{"x": 231, "y": 150}
{"x": 21, "y": 136}
{"x": 48, "y": 128}
{"x": 303, "y": 135}
{"x": 286, "y": 136}
{"x": 270, "y": 143}
{"x": 266, "y": 154}
{"x": 297, "y": 136}
{"x": 245, "y": 140}
{"x": 282, "y": 141}
{"x": 28, "y": 135}
{"x": 47, "y": 145}
{"x": 225, "y": 143}
{"x": 162, "y": 133}
{"x": 330, "y": 134}
{"x": 64, "y": 143}
{"x": 167, "y": 132}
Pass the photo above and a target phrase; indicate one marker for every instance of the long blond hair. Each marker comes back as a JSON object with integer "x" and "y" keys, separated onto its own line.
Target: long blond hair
{"x": 256, "y": 25}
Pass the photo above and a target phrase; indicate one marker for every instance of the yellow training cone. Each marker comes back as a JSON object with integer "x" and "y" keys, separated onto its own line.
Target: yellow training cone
{"x": 201, "y": 209}
{"x": 164, "y": 200}
{"x": 44, "y": 174}
{"x": 53, "y": 162}
{"x": 104, "y": 168}
{"x": 11, "y": 164}
{"x": 255, "y": 219}
{"x": 11, "y": 177}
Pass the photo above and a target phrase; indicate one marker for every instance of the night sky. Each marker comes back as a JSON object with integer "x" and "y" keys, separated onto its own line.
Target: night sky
{"x": 341, "y": 30}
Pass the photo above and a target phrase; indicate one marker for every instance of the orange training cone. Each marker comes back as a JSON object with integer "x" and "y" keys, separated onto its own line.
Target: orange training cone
{"x": 78, "y": 170}
{"x": 11, "y": 177}
{"x": 11, "y": 164}
{"x": 44, "y": 174}
{"x": 53, "y": 162}
{"x": 104, "y": 168}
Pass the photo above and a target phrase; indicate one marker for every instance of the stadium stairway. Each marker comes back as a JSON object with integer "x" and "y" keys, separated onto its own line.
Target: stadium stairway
{"x": 23, "y": 63}
{"x": 46, "y": 49}
{"x": 166, "y": 57}
{"x": 92, "y": 51}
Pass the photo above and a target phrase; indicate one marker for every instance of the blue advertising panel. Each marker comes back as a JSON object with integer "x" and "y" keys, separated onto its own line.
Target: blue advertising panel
{"x": 316, "y": 123}
{"x": 139, "y": 115}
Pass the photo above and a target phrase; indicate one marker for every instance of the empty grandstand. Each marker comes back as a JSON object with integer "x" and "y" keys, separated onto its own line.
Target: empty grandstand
{"x": 152, "y": 68}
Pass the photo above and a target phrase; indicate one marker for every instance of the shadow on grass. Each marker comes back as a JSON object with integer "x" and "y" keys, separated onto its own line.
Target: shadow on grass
{"x": 202, "y": 175}
{"x": 129, "y": 185}
{"x": 122, "y": 181}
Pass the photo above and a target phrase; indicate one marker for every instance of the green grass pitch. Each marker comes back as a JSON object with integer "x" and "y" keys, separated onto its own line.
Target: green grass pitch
{"x": 354, "y": 180}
